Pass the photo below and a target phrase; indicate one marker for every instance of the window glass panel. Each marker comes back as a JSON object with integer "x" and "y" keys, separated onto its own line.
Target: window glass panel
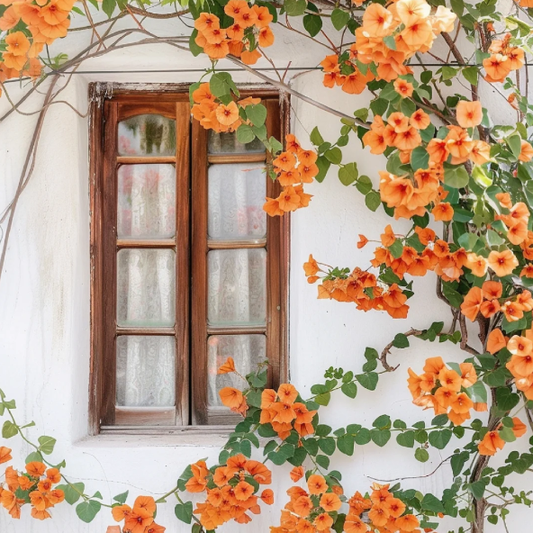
{"x": 146, "y": 201}
{"x": 236, "y": 292}
{"x": 147, "y": 135}
{"x": 247, "y": 351}
{"x": 236, "y": 197}
{"x": 145, "y": 287}
{"x": 146, "y": 371}
{"x": 227, "y": 143}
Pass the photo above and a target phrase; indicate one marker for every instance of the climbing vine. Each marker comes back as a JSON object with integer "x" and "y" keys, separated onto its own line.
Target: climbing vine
{"x": 464, "y": 183}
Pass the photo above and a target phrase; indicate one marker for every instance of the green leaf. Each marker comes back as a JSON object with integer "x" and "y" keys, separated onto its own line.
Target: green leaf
{"x": 350, "y": 389}
{"x": 323, "y": 166}
{"x": 315, "y": 137}
{"x": 379, "y": 106}
{"x": 373, "y": 200}
{"x": 245, "y": 134}
{"x": 312, "y": 24}
{"x": 380, "y": 437}
{"x": 507, "y": 434}
{"x": 363, "y": 437}
{"x": 183, "y": 512}
{"x": 294, "y": 8}
{"x": 9, "y": 429}
{"x": 455, "y": 176}
{"x": 382, "y": 422}
{"x": 515, "y": 144}
{"x": 396, "y": 249}
{"x": 346, "y": 443}
{"x": 368, "y": 381}
{"x": 477, "y": 489}
{"x": 221, "y": 84}
{"x": 86, "y": 511}
{"x": 431, "y": 503}
{"x": 108, "y": 6}
{"x": 73, "y": 492}
{"x": 323, "y": 399}
{"x": 419, "y": 158}
{"x": 400, "y": 341}
{"x": 122, "y": 497}
{"x": 471, "y": 74}
{"x": 406, "y": 439}
{"x": 339, "y": 18}
{"x": 458, "y": 461}
{"x": 322, "y": 461}
{"x": 422, "y": 455}
{"x": 506, "y": 399}
{"x": 364, "y": 184}
{"x": 334, "y": 155}
{"x": 348, "y": 174}
{"x": 256, "y": 114}
{"x": 448, "y": 73}
{"x": 327, "y": 445}
{"x": 322, "y": 430}
{"x": 452, "y": 295}
{"x": 46, "y": 444}
{"x": 440, "y": 439}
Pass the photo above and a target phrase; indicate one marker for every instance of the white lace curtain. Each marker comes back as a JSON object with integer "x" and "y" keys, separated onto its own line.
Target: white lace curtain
{"x": 146, "y": 279}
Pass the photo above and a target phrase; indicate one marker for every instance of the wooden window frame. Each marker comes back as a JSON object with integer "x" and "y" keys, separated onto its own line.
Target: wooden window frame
{"x": 191, "y": 329}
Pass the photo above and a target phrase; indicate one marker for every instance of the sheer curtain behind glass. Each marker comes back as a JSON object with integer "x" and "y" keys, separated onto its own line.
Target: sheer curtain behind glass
{"x": 146, "y": 285}
{"x": 236, "y": 277}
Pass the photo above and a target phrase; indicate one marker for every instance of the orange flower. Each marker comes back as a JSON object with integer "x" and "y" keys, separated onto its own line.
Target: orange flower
{"x": 289, "y": 199}
{"x": 17, "y": 43}
{"x": 287, "y": 393}
{"x": 250, "y": 58}
{"x": 477, "y": 264}
{"x": 491, "y": 443}
{"x": 377, "y": 21}
{"x": 443, "y": 212}
{"x": 496, "y": 341}
{"x": 526, "y": 152}
{"x": 502, "y": 263}
{"x": 363, "y": 241}
{"x": 234, "y": 399}
{"x": 206, "y": 21}
{"x": 403, "y": 88}
{"x": 469, "y": 114}
{"x": 35, "y": 469}
{"x": 496, "y": 67}
{"x": 5, "y": 454}
{"x": 472, "y": 303}
{"x": 323, "y": 522}
{"x": 266, "y": 37}
{"x": 297, "y": 473}
{"x": 272, "y": 208}
{"x": 227, "y": 115}
{"x": 420, "y": 120}
{"x": 227, "y": 367}
{"x": 407, "y": 522}
{"x": 302, "y": 506}
{"x": 317, "y": 484}
{"x": 330, "y": 502}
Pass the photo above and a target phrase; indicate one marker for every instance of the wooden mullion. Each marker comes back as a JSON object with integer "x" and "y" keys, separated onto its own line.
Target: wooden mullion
{"x": 211, "y": 330}
{"x": 199, "y": 251}
{"x": 109, "y": 286}
{"x": 182, "y": 263}
{"x": 274, "y": 305}
{"x": 160, "y": 332}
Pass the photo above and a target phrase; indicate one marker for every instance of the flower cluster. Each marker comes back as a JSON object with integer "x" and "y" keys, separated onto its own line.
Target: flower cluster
{"x": 359, "y": 287}
{"x": 521, "y": 363}
{"x": 312, "y": 510}
{"x": 386, "y": 513}
{"x": 35, "y": 486}
{"x": 293, "y": 168}
{"x": 445, "y": 390}
{"x": 30, "y": 26}
{"x": 232, "y": 490}
{"x": 284, "y": 413}
{"x": 250, "y": 27}
{"x": 387, "y": 38}
{"x": 217, "y": 116}
{"x": 504, "y": 58}
{"x": 492, "y": 441}
{"x": 487, "y": 301}
{"x": 140, "y": 519}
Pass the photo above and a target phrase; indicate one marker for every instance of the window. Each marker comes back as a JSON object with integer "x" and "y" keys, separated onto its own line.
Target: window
{"x": 187, "y": 269}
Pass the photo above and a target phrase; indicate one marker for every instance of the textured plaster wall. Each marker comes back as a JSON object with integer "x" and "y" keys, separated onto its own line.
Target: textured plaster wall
{"x": 44, "y": 299}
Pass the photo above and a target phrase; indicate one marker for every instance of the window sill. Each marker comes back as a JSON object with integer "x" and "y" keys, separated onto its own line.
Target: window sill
{"x": 187, "y": 436}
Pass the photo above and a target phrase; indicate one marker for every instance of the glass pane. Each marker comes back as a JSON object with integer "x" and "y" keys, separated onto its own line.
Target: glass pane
{"x": 145, "y": 287}
{"x": 146, "y": 201}
{"x": 147, "y": 135}
{"x": 236, "y": 197}
{"x": 146, "y": 375}
{"x": 247, "y": 351}
{"x": 236, "y": 294}
{"x": 227, "y": 143}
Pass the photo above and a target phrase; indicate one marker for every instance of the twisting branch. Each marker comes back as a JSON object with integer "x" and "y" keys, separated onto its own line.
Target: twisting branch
{"x": 387, "y": 350}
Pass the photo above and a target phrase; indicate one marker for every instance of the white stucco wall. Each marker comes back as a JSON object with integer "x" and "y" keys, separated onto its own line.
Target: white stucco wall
{"x": 44, "y": 300}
